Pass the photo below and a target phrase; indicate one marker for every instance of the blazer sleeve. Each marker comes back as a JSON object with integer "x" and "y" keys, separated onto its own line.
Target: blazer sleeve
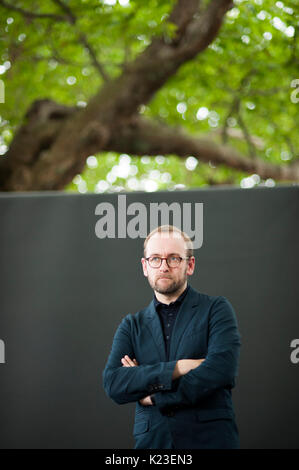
{"x": 129, "y": 384}
{"x": 221, "y": 364}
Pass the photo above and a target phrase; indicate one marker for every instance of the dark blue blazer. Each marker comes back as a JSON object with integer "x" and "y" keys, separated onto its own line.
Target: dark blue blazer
{"x": 196, "y": 410}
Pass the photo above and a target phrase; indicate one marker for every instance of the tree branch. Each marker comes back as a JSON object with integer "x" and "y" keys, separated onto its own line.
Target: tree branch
{"x": 235, "y": 109}
{"x": 247, "y": 136}
{"x": 238, "y": 134}
{"x": 144, "y": 137}
{"x": 161, "y": 59}
{"x": 29, "y": 14}
{"x": 72, "y": 19}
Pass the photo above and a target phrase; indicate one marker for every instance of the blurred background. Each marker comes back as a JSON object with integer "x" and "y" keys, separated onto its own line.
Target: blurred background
{"x": 137, "y": 71}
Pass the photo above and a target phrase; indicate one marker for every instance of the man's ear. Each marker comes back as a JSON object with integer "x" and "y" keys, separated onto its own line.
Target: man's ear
{"x": 191, "y": 266}
{"x": 144, "y": 266}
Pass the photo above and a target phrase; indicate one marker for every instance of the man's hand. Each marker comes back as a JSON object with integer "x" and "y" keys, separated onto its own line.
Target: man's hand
{"x": 183, "y": 366}
{"x": 146, "y": 401}
{"x": 127, "y": 362}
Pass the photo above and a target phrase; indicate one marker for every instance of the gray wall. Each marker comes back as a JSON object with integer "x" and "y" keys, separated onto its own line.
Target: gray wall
{"x": 63, "y": 292}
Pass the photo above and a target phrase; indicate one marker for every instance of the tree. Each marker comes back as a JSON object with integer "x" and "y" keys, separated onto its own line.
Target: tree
{"x": 156, "y": 78}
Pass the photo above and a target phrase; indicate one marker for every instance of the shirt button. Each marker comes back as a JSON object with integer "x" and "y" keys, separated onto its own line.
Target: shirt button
{"x": 167, "y": 337}
{"x": 168, "y": 324}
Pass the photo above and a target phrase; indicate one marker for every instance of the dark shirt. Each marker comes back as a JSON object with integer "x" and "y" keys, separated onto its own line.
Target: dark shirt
{"x": 167, "y": 315}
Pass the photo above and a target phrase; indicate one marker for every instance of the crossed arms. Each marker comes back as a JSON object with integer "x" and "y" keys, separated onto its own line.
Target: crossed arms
{"x": 182, "y": 367}
{"x": 125, "y": 381}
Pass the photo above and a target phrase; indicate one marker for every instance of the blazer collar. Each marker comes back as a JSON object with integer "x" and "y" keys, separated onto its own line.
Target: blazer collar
{"x": 184, "y": 316}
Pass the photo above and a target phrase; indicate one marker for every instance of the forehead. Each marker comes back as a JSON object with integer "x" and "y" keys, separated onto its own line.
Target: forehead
{"x": 166, "y": 243}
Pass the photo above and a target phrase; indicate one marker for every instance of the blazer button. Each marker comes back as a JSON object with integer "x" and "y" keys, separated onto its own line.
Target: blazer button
{"x": 170, "y": 414}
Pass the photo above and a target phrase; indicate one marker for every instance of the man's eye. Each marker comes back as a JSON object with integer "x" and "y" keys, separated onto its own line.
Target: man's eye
{"x": 155, "y": 258}
{"x": 174, "y": 258}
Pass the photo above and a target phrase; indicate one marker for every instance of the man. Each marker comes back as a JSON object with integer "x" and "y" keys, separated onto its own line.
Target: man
{"x": 178, "y": 357}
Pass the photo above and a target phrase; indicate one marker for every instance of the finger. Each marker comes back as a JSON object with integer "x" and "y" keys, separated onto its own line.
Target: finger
{"x": 125, "y": 362}
{"x": 135, "y": 362}
{"x": 131, "y": 363}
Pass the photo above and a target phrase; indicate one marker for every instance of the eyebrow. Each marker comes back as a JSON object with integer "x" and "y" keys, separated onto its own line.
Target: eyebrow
{"x": 170, "y": 254}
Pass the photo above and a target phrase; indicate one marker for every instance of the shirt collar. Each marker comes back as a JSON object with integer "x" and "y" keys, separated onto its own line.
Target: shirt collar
{"x": 179, "y": 300}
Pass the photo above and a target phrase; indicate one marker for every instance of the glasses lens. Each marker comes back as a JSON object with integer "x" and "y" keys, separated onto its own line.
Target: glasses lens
{"x": 155, "y": 262}
{"x": 173, "y": 261}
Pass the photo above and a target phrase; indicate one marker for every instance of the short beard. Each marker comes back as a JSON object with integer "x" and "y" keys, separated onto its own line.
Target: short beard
{"x": 172, "y": 288}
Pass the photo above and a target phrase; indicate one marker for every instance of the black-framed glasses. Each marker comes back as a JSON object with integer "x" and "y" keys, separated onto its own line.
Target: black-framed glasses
{"x": 172, "y": 261}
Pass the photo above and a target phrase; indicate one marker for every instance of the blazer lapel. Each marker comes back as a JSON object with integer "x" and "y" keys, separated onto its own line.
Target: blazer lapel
{"x": 186, "y": 312}
{"x": 154, "y": 325}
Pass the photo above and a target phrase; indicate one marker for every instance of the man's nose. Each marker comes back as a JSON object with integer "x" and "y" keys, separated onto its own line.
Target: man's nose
{"x": 164, "y": 265}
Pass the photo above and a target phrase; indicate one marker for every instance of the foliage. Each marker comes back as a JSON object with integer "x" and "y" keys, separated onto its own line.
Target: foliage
{"x": 239, "y": 86}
